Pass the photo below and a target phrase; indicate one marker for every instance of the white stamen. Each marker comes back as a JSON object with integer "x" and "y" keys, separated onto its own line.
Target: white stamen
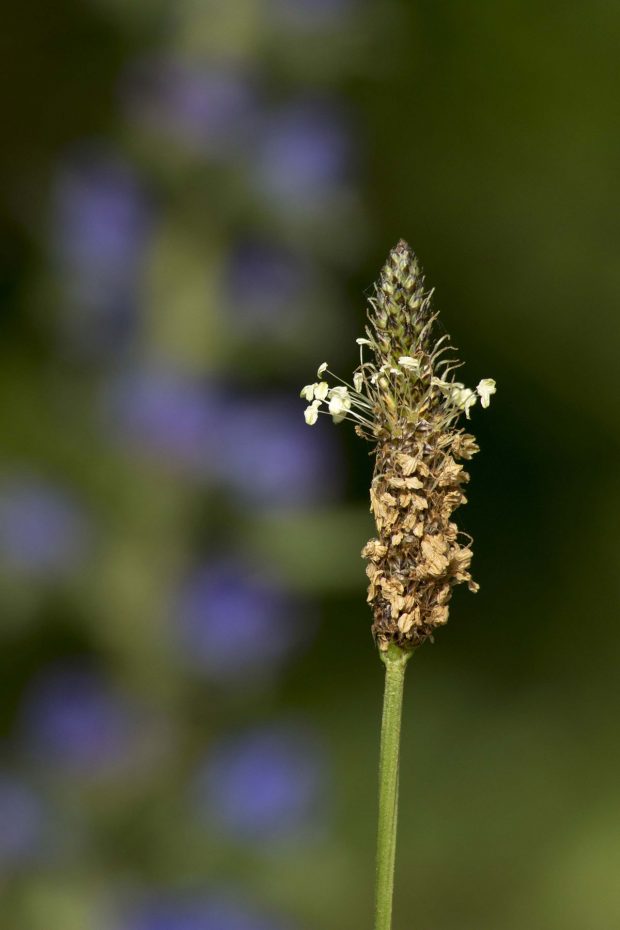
{"x": 485, "y": 388}
{"x": 464, "y": 398}
{"x": 411, "y": 364}
{"x": 339, "y": 404}
{"x": 311, "y": 413}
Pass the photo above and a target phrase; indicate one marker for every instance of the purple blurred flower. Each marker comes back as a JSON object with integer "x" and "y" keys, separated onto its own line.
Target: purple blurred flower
{"x": 271, "y": 458}
{"x": 237, "y": 624}
{"x": 264, "y": 785}
{"x": 313, "y": 14}
{"x": 304, "y": 155}
{"x": 265, "y": 285}
{"x": 257, "y": 448}
{"x": 73, "y": 719}
{"x": 194, "y": 912}
{"x": 100, "y": 226}
{"x": 21, "y": 821}
{"x": 210, "y": 110}
{"x": 168, "y": 416}
{"x": 42, "y": 531}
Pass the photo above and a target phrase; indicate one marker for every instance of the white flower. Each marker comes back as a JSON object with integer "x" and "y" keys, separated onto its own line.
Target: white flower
{"x": 339, "y": 404}
{"x": 311, "y": 413}
{"x": 412, "y": 364}
{"x": 464, "y": 397}
{"x": 339, "y": 391}
{"x": 363, "y": 342}
{"x": 485, "y": 388}
{"x": 315, "y": 391}
{"x": 322, "y": 368}
{"x": 358, "y": 381}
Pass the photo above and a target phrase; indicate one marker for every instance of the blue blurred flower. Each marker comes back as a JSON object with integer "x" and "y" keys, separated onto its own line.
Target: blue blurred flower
{"x": 265, "y": 285}
{"x": 270, "y": 458}
{"x": 194, "y": 912}
{"x": 211, "y": 110}
{"x": 256, "y": 447}
{"x": 73, "y": 719}
{"x": 263, "y": 785}
{"x": 168, "y": 416}
{"x": 22, "y": 821}
{"x": 100, "y": 227}
{"x": 235, "y": 623}
{"x": 304, "y": 154}
{"x": 42, "y": 531}
{"x": 313, "y": 14}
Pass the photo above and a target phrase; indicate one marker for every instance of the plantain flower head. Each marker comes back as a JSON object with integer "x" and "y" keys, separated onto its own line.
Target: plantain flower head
{"x": 405, "y": 400}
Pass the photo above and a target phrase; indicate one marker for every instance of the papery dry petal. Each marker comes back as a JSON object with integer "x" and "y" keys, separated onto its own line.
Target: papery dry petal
{"x": 406, "y": 463}
{"x": 450, "y": 473}
{"x": 435, "y": 563}
{"x": 405, "y": 622}
{"x": 464, "y": 446}
{"x": 439, "y": 616}
{"x": 374, "y": 550}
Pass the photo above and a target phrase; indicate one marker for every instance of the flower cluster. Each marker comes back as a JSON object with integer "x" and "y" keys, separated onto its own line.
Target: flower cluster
{"x": 351, "y": 402}
{"x": 343, "y": 401}
{"x": 405, "y": 399}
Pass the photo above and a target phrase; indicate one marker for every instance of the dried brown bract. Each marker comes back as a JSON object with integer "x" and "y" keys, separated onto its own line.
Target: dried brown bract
{"x": 406, "y": 401}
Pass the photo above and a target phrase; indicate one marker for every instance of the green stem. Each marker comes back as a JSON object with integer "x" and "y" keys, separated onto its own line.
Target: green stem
{"x": 395, "y": 660}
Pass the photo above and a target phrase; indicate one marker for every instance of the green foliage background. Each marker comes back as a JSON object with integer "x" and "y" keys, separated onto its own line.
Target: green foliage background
{"x": 486, "y": 134}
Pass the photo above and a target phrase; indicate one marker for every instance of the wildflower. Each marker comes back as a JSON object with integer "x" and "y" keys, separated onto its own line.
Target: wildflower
{"x": 262, "y": 785}
{"x": 262, "y": 286}
{"x": 102, "y": 220}
{"x": 339, "y": 403}
{"x": 23, "y": 821}
{"x": 43, "y": 532}
{"x": 316, "y": 391}
{"x": 302, "y": 155}
{"x": 406, "y": 401}
{"x": 231, "y": 622}
{"x": 266, "y": 457}
{"x": 209, "y": 111}
{"x": 75, "y": 720}
{"x": 219, "y": 909}
{"x": 412, "y": 364}
{"x": 311, "y": 413}
{"x": 485, "y": 388}
{"x": 464, "y": 398}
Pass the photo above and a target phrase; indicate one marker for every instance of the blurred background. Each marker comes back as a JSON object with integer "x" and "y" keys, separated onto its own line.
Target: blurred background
{"x": 195, "y": 198}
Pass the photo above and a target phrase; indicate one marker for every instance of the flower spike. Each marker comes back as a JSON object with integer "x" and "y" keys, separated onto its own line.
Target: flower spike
{"x": 408, "y": 404}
